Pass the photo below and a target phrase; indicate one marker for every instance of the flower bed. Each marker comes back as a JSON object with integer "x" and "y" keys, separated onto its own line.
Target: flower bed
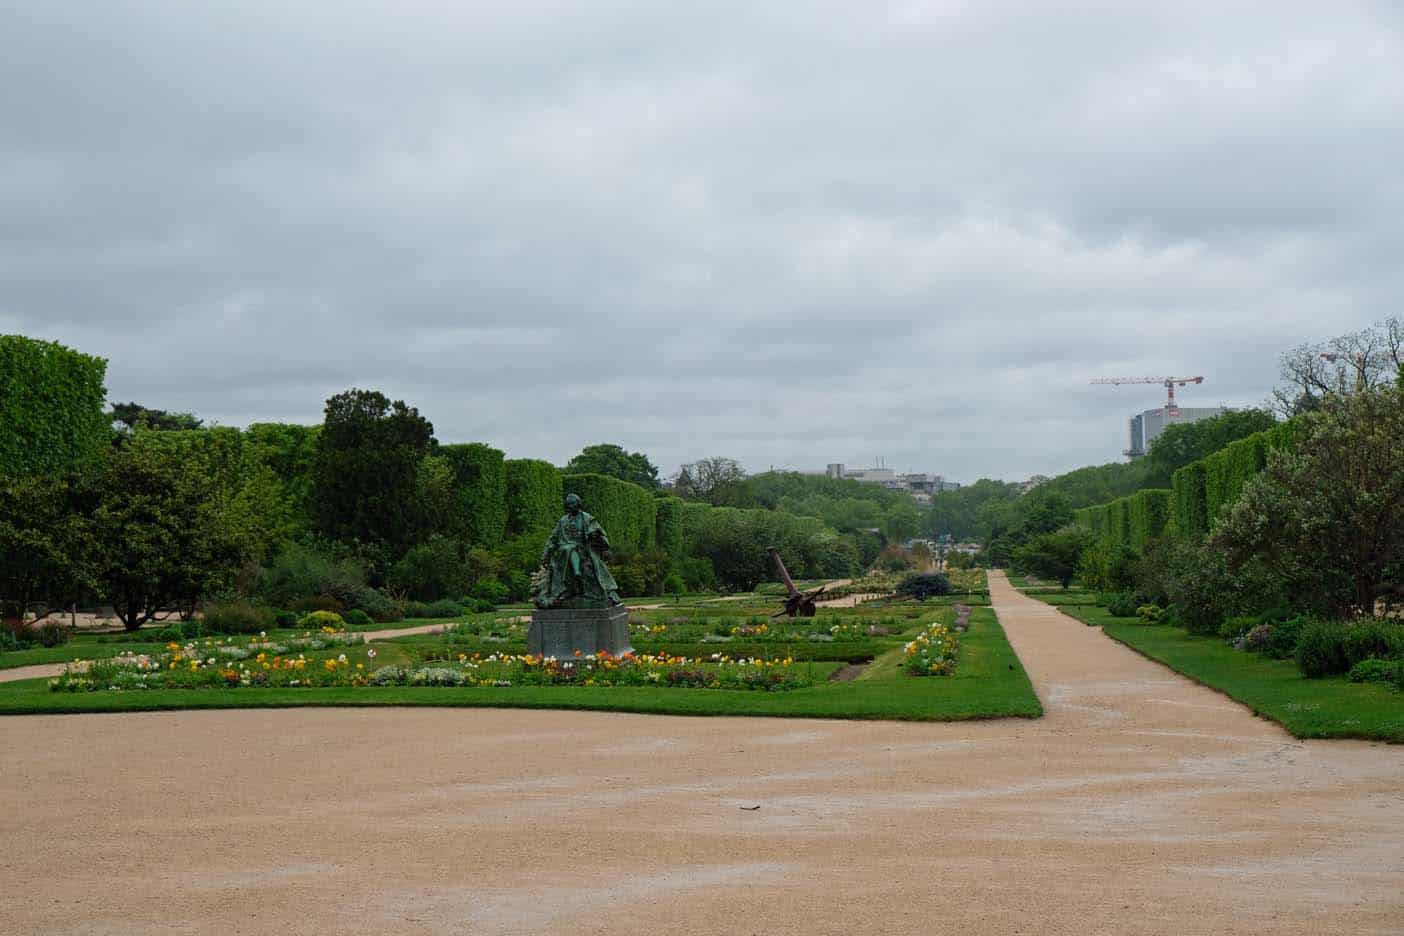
{"x": 192, "y": 667}
{"x": 932, "y": 652}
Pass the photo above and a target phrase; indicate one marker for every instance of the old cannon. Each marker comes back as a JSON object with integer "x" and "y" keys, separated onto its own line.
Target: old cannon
{"x": 797, "y": 603}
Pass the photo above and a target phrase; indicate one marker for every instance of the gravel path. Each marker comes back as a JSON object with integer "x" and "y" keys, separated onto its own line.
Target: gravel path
{"x": 1141, "y": 804}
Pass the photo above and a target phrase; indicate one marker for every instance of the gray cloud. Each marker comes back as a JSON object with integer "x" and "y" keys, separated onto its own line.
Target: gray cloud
{"x": 790, "y": 233}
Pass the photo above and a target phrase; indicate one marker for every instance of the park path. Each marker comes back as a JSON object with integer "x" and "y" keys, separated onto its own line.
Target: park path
{"x": 1141, "y": 804}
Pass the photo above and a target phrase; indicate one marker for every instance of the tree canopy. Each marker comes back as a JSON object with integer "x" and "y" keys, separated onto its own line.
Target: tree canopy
{"x": 613, "y": 460}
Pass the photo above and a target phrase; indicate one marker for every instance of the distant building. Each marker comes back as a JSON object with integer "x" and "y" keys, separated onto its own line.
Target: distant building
{"x": 920, "y": 485}
{"x": 1144, "y": 428}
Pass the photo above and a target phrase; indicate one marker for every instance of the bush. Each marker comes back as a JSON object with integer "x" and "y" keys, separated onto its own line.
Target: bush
{"x": 357, "y": 618}
{"x": 443, "y": 608}
{"x": 1121, "y": 604}
{"x": 285, "y": 619}
{"x": 317, "y": 603}
{"x": 1321, "y": 649}
{"x": 316, "y": 620}
{"x": 1374, "y": 638}
{"x": 431, "y": 570}
{"x": 381, "y": 607}
{"x": 9, "y": 642}
{"x": 518, "y": 586}
{"x": 490, "y": 590}
{"x": 479, "y": 605}
{"x": 1257, "y": 639}
{"x": 1150, "y": 614}
{"x": 923, "y": 585}
{"x": 1235, "y": 627}
{"x": 53, "y": 634}
{"x": 301, "y": 572}
{"x": 181, "y": 631}
{"x": 1374, "y": 669}
{"x": 1281, "y": 642}
{"x": 237, "y": 617}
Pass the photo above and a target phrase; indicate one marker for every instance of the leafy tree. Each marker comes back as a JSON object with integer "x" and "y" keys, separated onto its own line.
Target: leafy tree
{"x": 1054, "y": 555}
{"x": 432, "y": 570}
{"x": 163, "y": 536}
{"x": 131, "y": 416}
{"x": 366, "y": 483}
{"x": 1363, "y": 360}
{"x": 614, "y": 461}
{"x": 714, "y": 480}
{"x": 45, "y": 543}
{"x": 1325, "y": 513}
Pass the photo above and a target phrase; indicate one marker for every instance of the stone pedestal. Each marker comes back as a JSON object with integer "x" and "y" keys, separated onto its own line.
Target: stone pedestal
{"x": 559, "y": 632}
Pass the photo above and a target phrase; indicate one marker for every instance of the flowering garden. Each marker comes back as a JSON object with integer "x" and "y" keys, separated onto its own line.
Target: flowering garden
{"x": 714, "y": 657}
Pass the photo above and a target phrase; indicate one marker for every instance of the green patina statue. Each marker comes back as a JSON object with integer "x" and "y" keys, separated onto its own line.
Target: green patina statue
{"x": 573, "y": 573}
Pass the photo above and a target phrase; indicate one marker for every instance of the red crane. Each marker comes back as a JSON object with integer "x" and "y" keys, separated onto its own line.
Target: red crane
{"x": 1169, "y": 383}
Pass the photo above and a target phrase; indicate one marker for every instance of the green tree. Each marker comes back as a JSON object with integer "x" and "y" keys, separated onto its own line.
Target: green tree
{"x": 1325, "y": 514}
{"x": 715, "y": 480}
{"x": 131, "y": 416}
{"x": 369, "y": 455}
{"x": 163, "y": 535}
{"x": 45, "y": 543}
{"x": 612, "y": 460}
{"x": 1054, "y": 555}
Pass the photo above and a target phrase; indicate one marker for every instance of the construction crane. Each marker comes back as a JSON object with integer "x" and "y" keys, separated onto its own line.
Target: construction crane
{"x": 1169, "y": 383}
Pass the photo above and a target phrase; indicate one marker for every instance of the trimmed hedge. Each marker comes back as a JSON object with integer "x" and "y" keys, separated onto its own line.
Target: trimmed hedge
{"x": 669, "y": 526}
{"x": 480, "y": 480}
{"x": 52, "y": 403}
{"x": 1188, "y": 506}
{"x": 626, "y": 511}
{"x": 534, "y": 496}
{"x": 1149, "y": 513}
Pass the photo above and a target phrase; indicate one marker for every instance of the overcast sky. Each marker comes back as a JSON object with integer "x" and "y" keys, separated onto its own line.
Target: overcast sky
{"x": 791, "y": 233}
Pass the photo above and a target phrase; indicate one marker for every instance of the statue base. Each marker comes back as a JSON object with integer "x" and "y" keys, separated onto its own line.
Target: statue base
{"x": 559, "y": 632}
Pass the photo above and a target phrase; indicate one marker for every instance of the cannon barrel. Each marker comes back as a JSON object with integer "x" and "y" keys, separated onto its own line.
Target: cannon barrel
{"x": 784, "y": 573}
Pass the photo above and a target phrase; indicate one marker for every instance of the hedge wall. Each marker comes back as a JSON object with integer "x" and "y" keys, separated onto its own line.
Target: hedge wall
{"x": 534, "y": 496}
{"x": 669, "y": 526}
{"x": 1188, "y": 513}
{"x": 480, "y": 478}
{"x": 1204, "y": 489}
{"x": 626, "y": 511}
{"x": 1149, "y": 513}
{"x": 52, "y": 406}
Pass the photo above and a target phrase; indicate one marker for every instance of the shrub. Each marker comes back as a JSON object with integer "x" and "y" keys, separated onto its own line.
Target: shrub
{"x": 534, "y": 496}
{"x": 518, "y": 586}
{"x": 1321, "y": 649}
{"x": 285, "y": 619}
{"x": 316, "y": 620}
{"x": 1374, "y": 638}
{"x": 1150, "y": 614}
{"x": 923, "y": 585}
{"x": 357, "y": 618}
{"x": 480, "y": 479}
{"x": 1235, "y": 627}
{"x": 490, "y": 590}
{"x": 443, "y": 608}
{"x": 8, "y": 641}
{"x": 1258, "y": 639}
{"x": 381, "y": 607}
{"x": 431, "y": 570}
{"x": 1122, "y": 604}
{"x": 479, "y": 605}
{"x": 300, "y": 572}
{"x": 181, "y": 631}
{"x": 1374, "y": 669}
{"x": 317, "y": 603}
{"x": 53, "y": 634}
{"x": 1281, "y": 642}
{"x": 237, "y": 617}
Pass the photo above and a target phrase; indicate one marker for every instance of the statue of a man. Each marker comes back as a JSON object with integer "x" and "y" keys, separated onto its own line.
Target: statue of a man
{"x": 573, "y": 573}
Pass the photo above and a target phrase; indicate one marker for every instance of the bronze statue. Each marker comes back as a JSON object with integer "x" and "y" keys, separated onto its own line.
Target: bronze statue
{"x": 573, "y": 573}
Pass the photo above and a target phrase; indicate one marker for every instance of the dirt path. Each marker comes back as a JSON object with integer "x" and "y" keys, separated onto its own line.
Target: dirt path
{"x": 1142, "y": 804}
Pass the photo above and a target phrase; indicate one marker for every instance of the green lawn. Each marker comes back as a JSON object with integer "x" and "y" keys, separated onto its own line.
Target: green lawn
{"x": 1275, "y": 689}
{"x": 989, "y": 682}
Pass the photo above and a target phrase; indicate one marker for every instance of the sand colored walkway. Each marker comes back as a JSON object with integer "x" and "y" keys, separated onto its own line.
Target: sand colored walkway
{"x": 1141, "y": 804}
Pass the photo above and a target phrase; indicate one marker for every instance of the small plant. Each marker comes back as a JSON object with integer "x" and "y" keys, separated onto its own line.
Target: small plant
{"x": 318, "y": 620}
{"x": 932, "y": 652}
{"x": 357, "y": 618}
{"x": 923, "y": 585}
{"x": 1375, "y": 669}
{"x": 1150, "y": 614}
{"x": 1121, "y": 604}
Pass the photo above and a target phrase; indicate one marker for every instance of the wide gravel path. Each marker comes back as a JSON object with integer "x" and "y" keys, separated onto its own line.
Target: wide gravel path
{"x": 1141, "y": 804}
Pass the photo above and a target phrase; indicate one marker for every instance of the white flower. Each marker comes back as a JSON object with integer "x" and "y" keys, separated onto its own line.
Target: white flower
{"x": 371, "y": 653}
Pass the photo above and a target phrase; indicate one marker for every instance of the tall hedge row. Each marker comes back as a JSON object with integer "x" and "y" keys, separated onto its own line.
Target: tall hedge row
{"x": 52, "y": 406}
{"x": 626, "y": 511}
{"x": 1149, "y": 512}
{"x": 534, "y": 496}
{"x": 1203, "y": 489}
{"x": 669, "y": 526}
{"x": 480, "y": 480}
